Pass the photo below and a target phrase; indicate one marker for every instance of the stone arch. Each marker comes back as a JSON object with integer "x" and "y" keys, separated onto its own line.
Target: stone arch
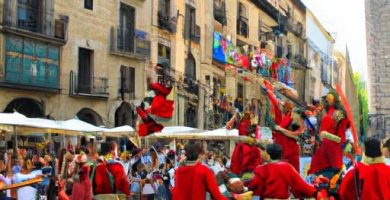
{"x": 124, "y": 115}
{"x": 90, "y": 116}
{"x": 26, "y": 106}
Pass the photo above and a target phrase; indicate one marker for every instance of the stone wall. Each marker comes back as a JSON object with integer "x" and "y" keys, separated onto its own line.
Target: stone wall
{"x": 90, "y": 29}
{"x": 378, "y": 59}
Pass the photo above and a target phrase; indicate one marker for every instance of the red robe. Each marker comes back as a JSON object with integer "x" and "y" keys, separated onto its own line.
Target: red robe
{"x": 277, "y": 180}
{"x": 192, "y": 182}
{"x": 374, "y": 182}
{"x": 289, "y": 145}
{"x": 82, "y": 190}
{"x": 245, "y": 157}
{"x": 330, "y": 153}
{"x": 101, "y": 180}
{"x": 121, "y": 182}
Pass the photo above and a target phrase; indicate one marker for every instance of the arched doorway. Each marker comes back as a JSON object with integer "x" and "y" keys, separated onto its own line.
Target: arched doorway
{"x": 124, "y": 115}
{"x": 190, "y": 117}
{"x": 90, "y": 116}
{"x": 26, "y": 106}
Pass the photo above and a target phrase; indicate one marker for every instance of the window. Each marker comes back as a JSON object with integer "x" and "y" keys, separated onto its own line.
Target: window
{"x": 191, "y": 30}
{"x": 128, "y": 80}
{"x": 28, "y": 13}
{"x": 242, "y": 10}
{"x": 219, "y": 11}
{"x": 29, "y": 62}
{"x": 85, "y": 70}
{"x": 164, "y": 7}
{"x": 88, "y": 4}
{"x": 190, "y": 117}
{"x": 242, "y": 21}
{"x": 260, "y": 32}
{"x": 216, "y": 84}
{"x": 190, "y": 71}
{"x": 126, "y": 28}
{"x": 207, "y": 80}
{"x": 240, "y": 90}
{"x": 164, "y": 54}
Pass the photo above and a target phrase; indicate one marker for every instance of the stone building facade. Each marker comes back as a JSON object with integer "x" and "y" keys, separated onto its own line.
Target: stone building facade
{"x": 319, "y": 57}
{"x": 94, "y": 59}
{"x": 62, "y": 59}
{"x": 378, "y": 58}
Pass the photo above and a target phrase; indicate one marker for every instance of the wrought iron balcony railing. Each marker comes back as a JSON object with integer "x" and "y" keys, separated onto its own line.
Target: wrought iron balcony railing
{"x": 88, "y": 86}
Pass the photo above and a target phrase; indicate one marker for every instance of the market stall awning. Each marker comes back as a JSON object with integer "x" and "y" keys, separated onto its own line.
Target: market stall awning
{"x": 77, "y": 125}
{"x": 178, "y": 129}
{"x": 219, "y": 134}
{"x": 11, "y": 122}
{"x": 119, "y": 131}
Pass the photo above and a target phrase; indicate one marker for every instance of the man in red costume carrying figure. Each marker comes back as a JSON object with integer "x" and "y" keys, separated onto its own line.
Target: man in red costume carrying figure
{"x": 275, "y": 180}
{"x": 287, "y": 125}
{"x": 328, "y": 158}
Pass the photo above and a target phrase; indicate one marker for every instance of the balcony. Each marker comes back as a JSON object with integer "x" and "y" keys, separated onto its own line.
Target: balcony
{"x": 35, "y": 23}
{"x": 166, "y": 23}
{"x": 88, "y": 87}
{"x": 46, "y": 81}
{"x": 295, "y": 27}
{"x": 125, "y": 43}
{"x": 300, "y": 60}
{"x": 30, "y": 64}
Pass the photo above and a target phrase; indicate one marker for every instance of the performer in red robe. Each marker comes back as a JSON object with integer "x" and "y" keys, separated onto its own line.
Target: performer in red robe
{"x": 193, "y": 179}
{"x": 372, "y": 173}
{"x": 246, "y": 155}
{"x": 101, "y": 180}
{"x": 333, "y": 126}
{"x": 286, "y": 132}
{"x": 82, "y": 188}
{"x": 121, "y": 182}
{"x": 275, "y": 180}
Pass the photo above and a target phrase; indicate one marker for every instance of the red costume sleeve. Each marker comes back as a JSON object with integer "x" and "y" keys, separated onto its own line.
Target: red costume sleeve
{"x": 299, "y": 187}
{"x": 256, "y": 184}
{"x": 275, "y": 103}
{"x": 121, "y": 182}
{"x": 286, "y": 120}
{"x": 212, "y": 186}
{"x": 347, "y": 188}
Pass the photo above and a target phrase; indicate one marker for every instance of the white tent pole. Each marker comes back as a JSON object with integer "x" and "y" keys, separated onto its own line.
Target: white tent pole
{"x": 15, "y": 142}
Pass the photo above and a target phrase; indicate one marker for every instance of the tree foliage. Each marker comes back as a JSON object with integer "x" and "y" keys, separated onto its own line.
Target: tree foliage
{"x": 363, "y": 102}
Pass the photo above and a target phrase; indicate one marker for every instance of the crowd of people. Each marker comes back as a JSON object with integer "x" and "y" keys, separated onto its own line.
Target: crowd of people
{"x": 189, "y": 173}
{"x": 255, "y": 170}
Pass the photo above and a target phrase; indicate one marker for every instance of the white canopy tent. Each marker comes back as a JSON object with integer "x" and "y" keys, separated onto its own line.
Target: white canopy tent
{"x": 125, "y": 130}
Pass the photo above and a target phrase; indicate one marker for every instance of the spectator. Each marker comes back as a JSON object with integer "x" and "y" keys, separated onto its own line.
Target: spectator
{"x": 372, "y": 173}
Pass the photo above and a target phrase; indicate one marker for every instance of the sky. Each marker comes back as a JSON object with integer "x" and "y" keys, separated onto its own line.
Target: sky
{"x": 345, "y": 19}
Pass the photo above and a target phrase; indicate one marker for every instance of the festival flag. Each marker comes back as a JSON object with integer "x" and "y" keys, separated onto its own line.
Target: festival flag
{"x": 347, "y": 107}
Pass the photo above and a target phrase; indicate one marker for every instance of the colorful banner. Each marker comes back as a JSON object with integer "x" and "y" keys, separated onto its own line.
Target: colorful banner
{"x": 226, "y": 53}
